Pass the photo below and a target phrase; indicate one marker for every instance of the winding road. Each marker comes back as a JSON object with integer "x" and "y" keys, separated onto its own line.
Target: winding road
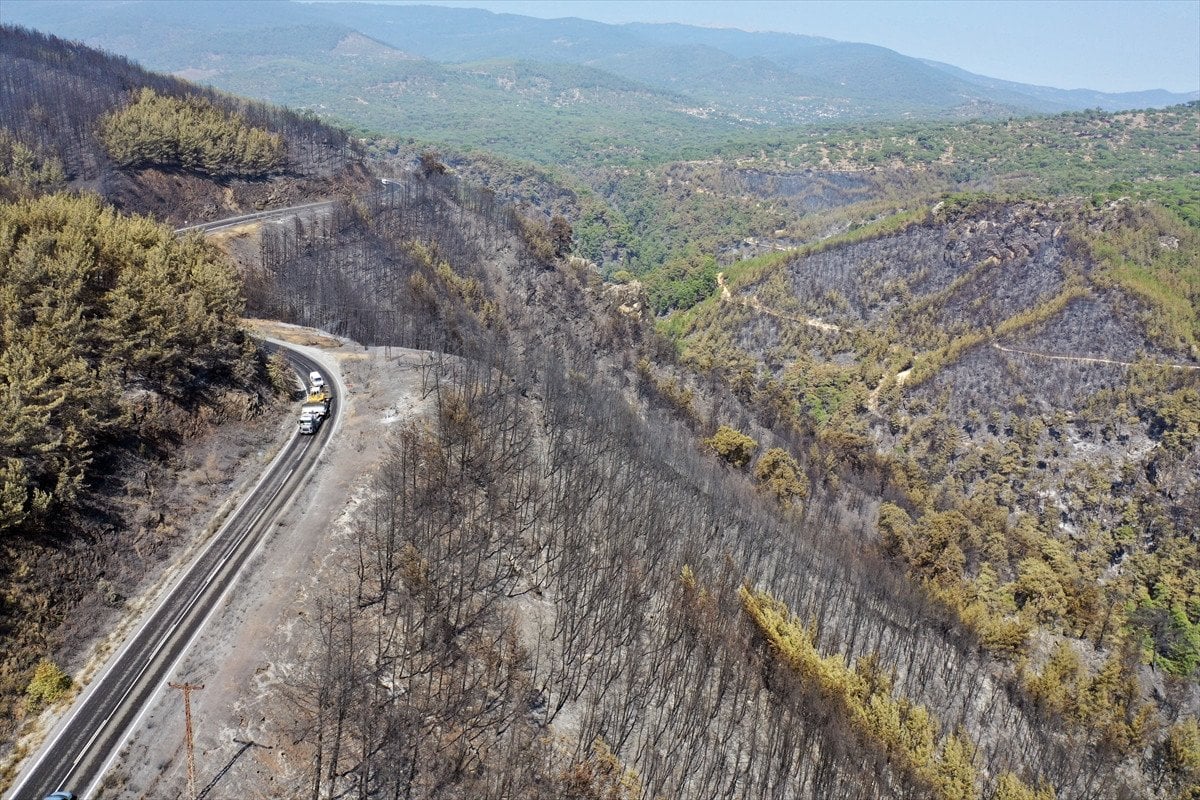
{"x": 85, "y": 742}
{"x": 258, "y": 216}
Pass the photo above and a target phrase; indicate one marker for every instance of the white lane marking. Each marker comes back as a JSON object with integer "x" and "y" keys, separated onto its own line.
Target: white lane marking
{"x": 217, "y": 605}
{"x": 58, "y": 731}
{"x": 242, "y": 219}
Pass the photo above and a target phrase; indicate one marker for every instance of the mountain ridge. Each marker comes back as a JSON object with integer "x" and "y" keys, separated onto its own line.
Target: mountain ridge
{"x": 840, "y": 79}
{"x": 1105, "y": 101}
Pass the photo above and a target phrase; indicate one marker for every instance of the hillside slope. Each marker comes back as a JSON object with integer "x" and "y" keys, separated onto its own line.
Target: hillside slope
{"x": 879, "y": 522}
{"x": 133, "y": 402}
{"x": 582, "y": 393}
{"x": 1026, "y": 375}
{"x": 54, "y": 95}
{"x": 1077, "y": 98}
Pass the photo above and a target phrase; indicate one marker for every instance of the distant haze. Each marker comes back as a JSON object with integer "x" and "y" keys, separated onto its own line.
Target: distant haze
{"x": 1109, "y": 46}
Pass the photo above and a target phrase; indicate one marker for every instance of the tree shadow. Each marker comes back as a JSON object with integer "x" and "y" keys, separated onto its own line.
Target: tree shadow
{"x": 245, "y": 745}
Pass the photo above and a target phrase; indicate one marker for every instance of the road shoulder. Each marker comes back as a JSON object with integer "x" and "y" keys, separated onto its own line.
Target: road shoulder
{"x": 247, "y": 645}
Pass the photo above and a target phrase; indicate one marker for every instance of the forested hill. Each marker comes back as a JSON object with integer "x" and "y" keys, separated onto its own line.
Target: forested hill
{"x": 122, "y": 354}
{"x": 76, "y": 117}
{"x": 905, "y": 512}
{"x": 552, "y": 90}
{"x": 674, "y": 225}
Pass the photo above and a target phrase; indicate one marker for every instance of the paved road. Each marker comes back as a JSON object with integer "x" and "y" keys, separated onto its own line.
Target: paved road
{"x": 84, "y": 743}
{"x": 230, "y": 222}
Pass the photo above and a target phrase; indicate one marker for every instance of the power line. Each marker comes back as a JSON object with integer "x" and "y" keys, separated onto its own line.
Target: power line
{"x": 187, "y": 689}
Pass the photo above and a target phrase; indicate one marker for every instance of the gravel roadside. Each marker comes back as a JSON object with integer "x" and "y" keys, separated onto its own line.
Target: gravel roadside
{"x": 248, "y": 643}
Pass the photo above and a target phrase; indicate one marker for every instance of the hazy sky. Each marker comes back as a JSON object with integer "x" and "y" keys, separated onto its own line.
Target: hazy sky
{"x": 1111, "y": 46}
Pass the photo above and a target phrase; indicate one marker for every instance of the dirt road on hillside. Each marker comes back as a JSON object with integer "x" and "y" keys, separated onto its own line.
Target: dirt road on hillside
{"x": 753, "y": 302}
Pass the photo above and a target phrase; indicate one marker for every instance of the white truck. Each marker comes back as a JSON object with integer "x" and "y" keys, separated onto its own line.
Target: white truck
{"x": 314, "y": 410}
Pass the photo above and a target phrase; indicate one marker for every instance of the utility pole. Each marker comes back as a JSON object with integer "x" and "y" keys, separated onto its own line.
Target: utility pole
{"x": 188, "y": 688}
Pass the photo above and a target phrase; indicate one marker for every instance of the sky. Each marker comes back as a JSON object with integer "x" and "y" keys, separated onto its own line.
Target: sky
{"x": 1109, "y": 45}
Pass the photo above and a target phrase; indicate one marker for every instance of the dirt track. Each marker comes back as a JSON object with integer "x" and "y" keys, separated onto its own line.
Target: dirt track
{"x": 753, "y": 302}
{"x": 1090, "y": 359}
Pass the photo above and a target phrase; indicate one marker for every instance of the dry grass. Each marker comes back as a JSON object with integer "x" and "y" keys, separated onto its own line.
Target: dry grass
{"x": 290, "y": 333}
{"x": 225, "y": 235}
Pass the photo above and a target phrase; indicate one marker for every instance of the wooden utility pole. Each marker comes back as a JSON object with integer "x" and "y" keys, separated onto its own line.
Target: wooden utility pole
{"x": 188, "y": 688}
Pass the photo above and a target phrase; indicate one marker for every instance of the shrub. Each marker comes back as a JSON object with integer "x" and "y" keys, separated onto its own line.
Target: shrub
{"x": 1183, "y": 749}
{"x": 600, "y": 776}
{"x": 281, "y": 374}
{"x": 1010, "y": 787}
{"x": 779, "y": 475}
{"x": 49, "y": 684}
{"x": 732, "y": 445}
{"x": 431, "y": 163}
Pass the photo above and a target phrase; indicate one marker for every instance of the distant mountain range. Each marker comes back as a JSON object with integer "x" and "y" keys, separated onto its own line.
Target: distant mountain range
{"x": 1075, "y": 99}
{"x": 478, "y": 78}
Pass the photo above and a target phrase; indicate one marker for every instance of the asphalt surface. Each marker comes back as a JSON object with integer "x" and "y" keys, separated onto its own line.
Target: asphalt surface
{"x": 82, "y": 746}
{"x": 278, "y": 213}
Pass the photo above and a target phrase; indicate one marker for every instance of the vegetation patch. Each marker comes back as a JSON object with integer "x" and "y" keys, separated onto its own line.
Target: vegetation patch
{"x": 94, "y": 304}
{"x": 24, "y": 171}
{"x": 905, "y": 731}
{"x": 1155, "y": 257}
{"x": 47, "y": 686}
{"x": 732, "y": 445}
{"x": 189, "y": 133}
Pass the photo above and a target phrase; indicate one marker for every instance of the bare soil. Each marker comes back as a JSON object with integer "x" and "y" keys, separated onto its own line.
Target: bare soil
{"x": 248, "y": 645}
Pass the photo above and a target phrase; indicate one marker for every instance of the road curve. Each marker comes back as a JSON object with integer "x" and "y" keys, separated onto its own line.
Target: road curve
{"x": 85, "y": 742}
{"x": 242, "y": 219}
